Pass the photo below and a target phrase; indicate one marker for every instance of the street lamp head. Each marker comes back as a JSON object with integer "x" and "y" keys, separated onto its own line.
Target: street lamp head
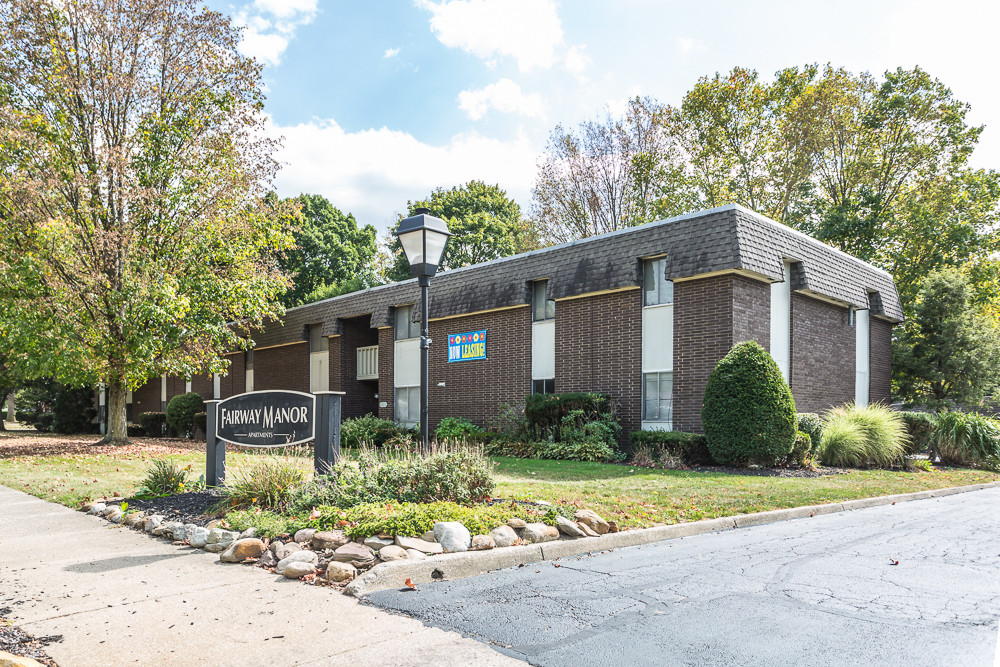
{"x": 423, "y": 238}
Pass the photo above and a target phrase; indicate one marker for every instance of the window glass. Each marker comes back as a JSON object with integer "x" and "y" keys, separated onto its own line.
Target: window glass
{"x": 248, "y": 360}
{"x": 408, "y": 405}
{"x": 405, "y": 326}
{"x": 542, "y": 307}
{"x": 316, "y": 338}
{"x": 658, "y": 394}
{"x": 543, "y": 386}
{"x": 656, "y": 289}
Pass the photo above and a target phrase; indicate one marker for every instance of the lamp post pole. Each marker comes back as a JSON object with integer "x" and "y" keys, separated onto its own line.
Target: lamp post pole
{"x": 425, "y": 375}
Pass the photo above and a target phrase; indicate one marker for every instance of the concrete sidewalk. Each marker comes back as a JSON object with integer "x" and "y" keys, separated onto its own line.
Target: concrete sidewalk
{"x": 120, "y": 597}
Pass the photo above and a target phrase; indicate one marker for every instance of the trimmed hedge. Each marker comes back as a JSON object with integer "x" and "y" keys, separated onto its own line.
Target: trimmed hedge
{"x": 545, "y": 412}
{"x": 370, "y": 430}
{"x": 748, "y": 411}
{"x": 25, "y": 416}
{"x": 181, "y": 411}
{"x": 153, "y": 423}
{"x": 43, "y": 422}
{"x": 920, "y": 426}
{"x": 692, "y": 448}
{"x": 811, "y": 424}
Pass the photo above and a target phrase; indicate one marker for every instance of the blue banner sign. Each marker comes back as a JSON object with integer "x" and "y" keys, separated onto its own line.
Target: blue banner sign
{"x": 467, "y": 346}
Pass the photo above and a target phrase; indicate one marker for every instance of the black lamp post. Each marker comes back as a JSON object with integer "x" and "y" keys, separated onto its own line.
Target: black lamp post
{"x": 423, "y": 238}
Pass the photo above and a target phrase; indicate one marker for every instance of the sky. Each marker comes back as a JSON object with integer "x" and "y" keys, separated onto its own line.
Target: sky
{"x": 380, "y": 102}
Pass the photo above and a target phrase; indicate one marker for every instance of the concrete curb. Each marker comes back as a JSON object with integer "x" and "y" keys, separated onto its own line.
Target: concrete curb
{"x": 470, "y": 563}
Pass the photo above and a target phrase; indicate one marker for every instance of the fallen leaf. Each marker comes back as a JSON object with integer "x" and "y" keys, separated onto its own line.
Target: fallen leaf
{"x": 893, "y": 562}
{"x": 409, "y": 584}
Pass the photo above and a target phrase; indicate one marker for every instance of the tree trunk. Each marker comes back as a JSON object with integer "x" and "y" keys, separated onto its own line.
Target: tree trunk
{"x": 117, "y": 433}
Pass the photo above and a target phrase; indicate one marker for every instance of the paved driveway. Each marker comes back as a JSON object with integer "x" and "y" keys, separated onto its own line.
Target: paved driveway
{"x": 911, "y": 584}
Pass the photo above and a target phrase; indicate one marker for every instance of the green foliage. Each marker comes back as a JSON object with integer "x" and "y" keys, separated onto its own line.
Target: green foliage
{"x": 44, "y": 423}
{"x": 154, "y": 424}
{"x": 262, "y": 481}
{"x": 268, "y": 524}
{"x": 163, "y": 478}
{"x": 26, "y": 416}
{"x": 510, "y": 424}
{"x": 811, "y": 424}
{"x": 181, "y": 411}
{"x": 200, "y": 421}
{"x": 331, "y": 251}
{"x": 73, "y": 410}
{"x": 920, "y": 427}
{"x": 919, "y": 465}
{"x": 457, "y": 428}
{"x": 415, "y": 519}
{"x": 802, "y": 450}
{"x": 871, "y": 436}
{"x": 967, "y": 439}
{"x": 591, "y": 446}
{"x": 691, "y": 448}
{"x": 946, "y": 352}
{"x": 545, "y": 412}
{"x": 370, "y": 430}
{"x": 748, "y": 411}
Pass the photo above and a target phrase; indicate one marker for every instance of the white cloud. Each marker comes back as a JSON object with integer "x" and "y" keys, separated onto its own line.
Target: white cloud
{"x": 529, "y": 31}
{"x": 269, "y": 26}
{"x": 372, "y": 173}
{"x": 390, "y": 53}
{"x": 688, "y": 45}
{"x": 505, "y": 96}
{"x": 577, "y": 62}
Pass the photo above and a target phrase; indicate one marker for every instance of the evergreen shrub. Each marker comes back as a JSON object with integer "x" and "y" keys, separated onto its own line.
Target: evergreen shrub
{"x": 920, "y": 426}
{"x": 73, "y": 410}
{"x": 370, "y": 430}
{"x": 748, "y": 411}
{"x": 43, "y": 423}
{"x": 545, "y": 412}
{"x": 154, "y": 424}
{"x": 691, "y": 448}
{"x": 181, "y": 411}
{"x": 811, "y": 424}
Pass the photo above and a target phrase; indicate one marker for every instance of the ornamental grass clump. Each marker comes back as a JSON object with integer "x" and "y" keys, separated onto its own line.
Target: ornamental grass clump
{"x": 163, "y": 478}
{"x": 967, "y": 439}
{"x": 264, "y": 481}
{"x": 873, "y": 436}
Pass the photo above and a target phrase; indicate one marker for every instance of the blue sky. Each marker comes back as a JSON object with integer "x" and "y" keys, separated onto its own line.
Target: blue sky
{"x": 380, "y": 102}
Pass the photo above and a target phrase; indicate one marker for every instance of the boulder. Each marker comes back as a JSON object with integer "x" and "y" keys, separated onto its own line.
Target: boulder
{"x": 198, "y": 537}
{"x": 419, "y": 545}
{"x": 308, "y": 557}
{"x": 110, "y": 509}
{"x": 221, "y": 536}
{"x": 539, "y": 532}
{"x": 166, "y": 529}
{"x": 214, "y": 523}
{"x": 375, "y": 543}
{"x": 452, "y": 536}
{"x": 305, "y": 535}
{"x": 298, "y": 569}
{"x": 356, "y": 554}
{"x": 588, "y": 531}
{"x": 613, "y": 526}
{"x": 274, "y": 545}
{"x": 413, "y": 554}
{"x": 85, "y": 507}
{"x": 216, "y": 548}
{"x": 267, "y": 560}
{"x": 340, "y": 571}
{"x": 429, "y": 536}
{"x": 249, "y": 532}
{"x": 97, "y": 508}
{"x": 152, "y": 523}
{"x": 11, "y": 660}
{"x": 504, "y": 536}
{"x": 592, "y": 520}
{"x": 482, "y": 543}
{"x": 116, "y": 515}
{"x": 286, "y": 550}
{"x": 392, "y": 552}
{"x": 568, "y": 528}
{"x": 329, "y": 539}
{"x": 175, "y": 530}
{"x": 134, "y": 519}
{"x": 240, "y": 550}
{"x": 517, "y": 524}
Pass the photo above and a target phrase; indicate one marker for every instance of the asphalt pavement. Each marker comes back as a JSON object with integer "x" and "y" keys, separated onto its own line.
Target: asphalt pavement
{"x": 915, "y": 583}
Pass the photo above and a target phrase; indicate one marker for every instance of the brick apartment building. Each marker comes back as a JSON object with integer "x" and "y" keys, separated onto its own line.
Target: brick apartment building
{"x": 642, "y": 314}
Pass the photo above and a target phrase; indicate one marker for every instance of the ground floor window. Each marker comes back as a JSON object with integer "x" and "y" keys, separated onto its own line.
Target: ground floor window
{"x": 658, "y": 397}
{"x": 407, "y": 405}
{"x": 543, "y": 386}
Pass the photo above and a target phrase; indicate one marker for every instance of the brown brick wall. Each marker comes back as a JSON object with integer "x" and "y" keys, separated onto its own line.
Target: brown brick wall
{"x": 285, "y": 367}
{"x": 202, "y": 385}
{"x": 385, "y": 377}
{"x": 235, "y": 380}
{"x": 751, "y": 311}
{"x": 880, "y": 361}
{"x": 359, "y": 395}
{"x": 599, "y": 348}
{"x": 334, "y": 344}
{"x": 823, "y": 344}
{"x": 146, "y": 398}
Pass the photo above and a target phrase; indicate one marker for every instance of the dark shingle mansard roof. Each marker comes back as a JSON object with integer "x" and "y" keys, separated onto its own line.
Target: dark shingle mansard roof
{"x": 721, "y": 239}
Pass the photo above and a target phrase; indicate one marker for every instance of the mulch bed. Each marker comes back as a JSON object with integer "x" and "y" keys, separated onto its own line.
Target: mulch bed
{"x": 195, "y": 507}
{"x": 17, "y": 642}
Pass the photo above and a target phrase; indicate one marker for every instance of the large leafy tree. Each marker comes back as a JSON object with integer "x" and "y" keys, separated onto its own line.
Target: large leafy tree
{"x": 485, "y": 224}
{"x": 134, "y": 173}
{"x": 330, "y": 250}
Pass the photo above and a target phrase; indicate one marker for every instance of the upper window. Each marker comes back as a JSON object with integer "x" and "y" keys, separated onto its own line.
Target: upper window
{"x": 248, "y": 360}
{"x": 405, "y": 326}
{"x": 542, "y": 307}
{"x": 316, "y": 338}
{"x": 656, "y": 289}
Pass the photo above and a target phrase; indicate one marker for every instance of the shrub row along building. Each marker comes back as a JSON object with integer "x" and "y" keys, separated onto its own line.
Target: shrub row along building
{"x": 642, "y": 314}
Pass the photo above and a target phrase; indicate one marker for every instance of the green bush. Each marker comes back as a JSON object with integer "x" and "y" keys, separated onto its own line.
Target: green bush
{"x": 967, "y": 439}
{"x": 521, "y": 449}
{"x": 510, "y": 424}
{"x": 871, "y": 436}
{"x": 370, "y": 430}
{"x": 748, "y": 412}
{"x": 593, "y": 448}
{"x": 458, "y": 429}
{"x": 134, "y": 430}
{"x": 201, "y": 421}
{"x": 264, "y": 481}
{"x": 26, "y": 416}
{"x": 545, "y": 412}
{"x": 73, "y": 410}
{"x": 44, "y": 422}
{"x": 802, "y": 451}
{"x": 811, "y": 424}
{"x": 181, "y": 411}
{"x": 691, "y": 448}
{"x": 920, "y": 426}
{"x": 163, "y": 478}
{"x": 268, "y": 524}
{"x": 415, "y": 519}
{"x": 153, "y": 423}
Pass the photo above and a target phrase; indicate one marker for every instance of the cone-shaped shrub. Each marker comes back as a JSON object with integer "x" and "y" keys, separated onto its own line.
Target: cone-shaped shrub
{"x": 748, "y": 412}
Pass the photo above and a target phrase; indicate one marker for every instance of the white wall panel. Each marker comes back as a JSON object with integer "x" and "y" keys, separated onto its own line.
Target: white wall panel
{"x": 861, "y": 359}
{"x": 319, "y": 372}
{"x": 781, "y": 323}
{"x": 543, "y": 350}
{"x": 657, "y": 338}
{"x": 406, "y": 363}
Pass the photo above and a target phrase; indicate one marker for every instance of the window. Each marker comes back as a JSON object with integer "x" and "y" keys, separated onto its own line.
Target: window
{"x": 248, "y": 360}
{"x": 658, "y": 397}
{"x": 656, "y": 289}
{"x": 405, "y": 326}
{"x": 542, "y": 307}
{"x": 408, "y": 405}
{"x": 316, "y": 338}
{"x": 543, "y": 386}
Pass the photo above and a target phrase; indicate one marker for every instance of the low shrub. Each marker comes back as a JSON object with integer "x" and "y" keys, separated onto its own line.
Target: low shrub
{"x": 201, "y": 422}
{"x": 25, "y": 416}
{"x": 458, "y": 429}
{"x": 520, "y": 449}
{"x": 415, "y": 519}
{"x": 267, "y": 523}
{"x": 545, "y": 413}
{"x": 590, "y": 448}
{"x": 918, "y": 465}
{"x": 811, "y": 424}
{"x": 967, "y": 439}
{"x": 510, "y": 424}
{"x": 181, "y": 411}
{"x": 134, "y": 430}
{"x": 691, "y": 448}
{"x": 920, "y": 426}
{"x": 802, "y": 451}
{"x": 73, "y": 410}
{"x": 748, "y": 411}
{"x": 43, "y": 423}
{"x": 370, "y": 430}
{"x": 164, "y": 478}
{"x": 264, "y": 481}
{"x": 153, "y": 423}
{"x": 871, "y": 436}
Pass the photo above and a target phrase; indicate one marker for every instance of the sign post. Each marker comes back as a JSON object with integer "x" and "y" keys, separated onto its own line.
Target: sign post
{"x": 327, "y": 447}
{"x": 215, "y": 449}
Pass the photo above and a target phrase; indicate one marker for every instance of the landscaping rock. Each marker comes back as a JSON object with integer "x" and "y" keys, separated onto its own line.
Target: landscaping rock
{"x": 116, "y": 515}
{"x": 612, "y": 526}
{"x": 309, "y": 557}
{"x": 569, "y": 528}
{"x": 329, "y": 539}
{"x": 134, "y": 519}
{"x": 152, "y": 523}
{"x": 216, "y": 548}
{"x": 517, "y": 524}
{"x": 214, "y": 523}
{"x": 356, "y": 554}
{"x": 110, "y": 509}
{"x": 240, "y": 550}
{"x": 392, "y": 552}
{"x": 592, "y": 520}
{"x": 590, "y": 532}
{"x": 286, "y": 550}
{"x": 504, "y": 536}
{"x": 418, "y": 544}
{"x": 429, "y": 536}
{"x": 85, "y": 507}
{"x": 274, "y": 545}
{"x": 297, "y": 570}
{"x": 413, "y": 554}
{"x": 340, "y": 571}
{"x": 452, "y": 536}
{"x": 167, "y": 529}
{"x": 539, "y": 532}
{"x": 11, "y": 660}
{"x": 375, "y": 543}
{"x": 198, "y": 537}
{"x": 267, "y": 560}
{"x": 305, "y": 535}
{"x": 221, "y": 536}
{"x": 482, "y": 543}
{"x": 97, "y": 508}
{"x": 249, "y": 532}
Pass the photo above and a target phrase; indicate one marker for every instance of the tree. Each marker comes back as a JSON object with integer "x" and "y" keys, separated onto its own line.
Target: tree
{"x": 485, "y": 224}
{"x": 947, "y": 351}
{"x": 134, "y": 170}
{"x": 330, "y": 249}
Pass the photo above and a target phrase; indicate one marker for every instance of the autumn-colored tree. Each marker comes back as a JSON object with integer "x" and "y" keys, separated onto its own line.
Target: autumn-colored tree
{"x": 134, "y": 168}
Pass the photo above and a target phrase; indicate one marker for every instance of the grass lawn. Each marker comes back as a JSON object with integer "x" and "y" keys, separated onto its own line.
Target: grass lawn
{"x": 71, "y": 469}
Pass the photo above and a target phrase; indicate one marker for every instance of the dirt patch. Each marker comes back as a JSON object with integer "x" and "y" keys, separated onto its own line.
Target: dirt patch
{"x": 17, "y": 444}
